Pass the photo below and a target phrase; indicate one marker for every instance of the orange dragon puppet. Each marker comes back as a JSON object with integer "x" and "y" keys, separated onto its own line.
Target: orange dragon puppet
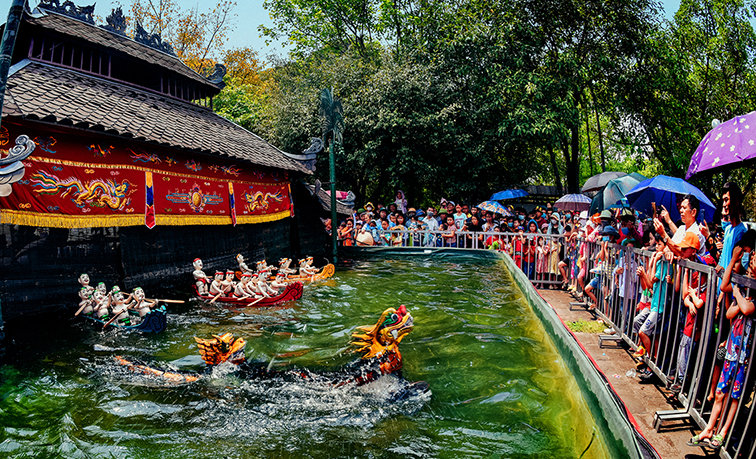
{"x": 378, "y": 344}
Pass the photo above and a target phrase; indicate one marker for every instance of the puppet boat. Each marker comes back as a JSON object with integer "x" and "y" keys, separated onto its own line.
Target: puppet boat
{"x": 154, "y": 322}
{"x": 292, "y": 292}
{"x": 327, "y": 271}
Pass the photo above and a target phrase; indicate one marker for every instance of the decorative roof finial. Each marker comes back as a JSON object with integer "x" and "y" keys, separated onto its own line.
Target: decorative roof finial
{"x": 217, "y": 76}
{"x": 116, "y": 22}
{"x": 152, "y": 40}
{"x": 68, "y": 8}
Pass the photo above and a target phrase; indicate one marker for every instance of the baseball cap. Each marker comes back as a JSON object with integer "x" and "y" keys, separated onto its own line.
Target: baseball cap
{"x": 690, "y": 241}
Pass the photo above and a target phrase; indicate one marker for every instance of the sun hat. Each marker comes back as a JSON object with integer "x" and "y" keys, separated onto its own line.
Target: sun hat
{"x": 606, "y": 214}
{"x": 419, "y": 213}
{"x": 627, "y": 214}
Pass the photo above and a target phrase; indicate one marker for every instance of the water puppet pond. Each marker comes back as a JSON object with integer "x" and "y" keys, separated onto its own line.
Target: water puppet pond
{"x": 499, "y": 386}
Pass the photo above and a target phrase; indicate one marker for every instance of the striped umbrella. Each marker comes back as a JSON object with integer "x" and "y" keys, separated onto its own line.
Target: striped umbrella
{"x": 573, "y": 202}
{"x": 493, "y": 206}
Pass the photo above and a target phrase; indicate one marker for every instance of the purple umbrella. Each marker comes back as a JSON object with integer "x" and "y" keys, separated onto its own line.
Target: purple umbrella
{"x": 725, "y": 146}
{"x": 573, "y": 202}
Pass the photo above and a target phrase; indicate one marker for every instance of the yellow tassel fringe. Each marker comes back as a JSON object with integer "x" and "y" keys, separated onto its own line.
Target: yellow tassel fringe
{"x": 25, "y": 218}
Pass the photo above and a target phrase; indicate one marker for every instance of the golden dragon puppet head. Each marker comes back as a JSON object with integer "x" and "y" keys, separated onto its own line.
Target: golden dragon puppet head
{"x": 222, "y": 348}
{"x": 382, "y": 339}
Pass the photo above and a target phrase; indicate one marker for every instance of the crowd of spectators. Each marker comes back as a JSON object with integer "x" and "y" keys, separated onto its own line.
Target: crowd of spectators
{"x": 584, "y": 254}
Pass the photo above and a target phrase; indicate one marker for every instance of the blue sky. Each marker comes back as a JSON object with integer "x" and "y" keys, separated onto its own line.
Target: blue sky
{"x": 250, "y": 14}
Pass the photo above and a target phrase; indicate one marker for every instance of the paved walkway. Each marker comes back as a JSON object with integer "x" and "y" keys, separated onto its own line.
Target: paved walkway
{"x": 642, "y": 400}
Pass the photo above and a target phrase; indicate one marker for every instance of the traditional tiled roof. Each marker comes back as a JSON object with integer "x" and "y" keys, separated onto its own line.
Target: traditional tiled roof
{"x": 97, "y": 35}
{"x": 52, "y": 94}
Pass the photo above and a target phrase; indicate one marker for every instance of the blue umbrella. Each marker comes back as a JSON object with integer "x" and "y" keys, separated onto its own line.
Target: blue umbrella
{"x": 573, "y": 202}
{"x": 664, "y": 191}
{"x": 508, "y": 194}
{"x": 493, "y": 206}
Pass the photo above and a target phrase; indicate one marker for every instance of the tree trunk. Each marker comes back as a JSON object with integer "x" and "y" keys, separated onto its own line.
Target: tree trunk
{"x": 588, "y": 137}
{"x": 572, "y": 159}
{"x": 557, "y": 177}
{"x": 598, "y": 130}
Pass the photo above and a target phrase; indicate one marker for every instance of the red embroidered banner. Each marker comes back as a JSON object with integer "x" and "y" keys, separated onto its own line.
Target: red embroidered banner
{"x": 74, "y": 181}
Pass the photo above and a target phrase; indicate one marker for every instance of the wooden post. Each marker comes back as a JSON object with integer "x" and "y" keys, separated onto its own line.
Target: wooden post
{"x": 333, "y": 201}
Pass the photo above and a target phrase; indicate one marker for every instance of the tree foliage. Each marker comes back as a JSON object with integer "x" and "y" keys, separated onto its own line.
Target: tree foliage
{"x": 460, "y": 98}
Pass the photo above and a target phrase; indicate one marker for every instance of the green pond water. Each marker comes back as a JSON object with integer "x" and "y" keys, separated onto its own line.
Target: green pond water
{"x": 499, "y": 388}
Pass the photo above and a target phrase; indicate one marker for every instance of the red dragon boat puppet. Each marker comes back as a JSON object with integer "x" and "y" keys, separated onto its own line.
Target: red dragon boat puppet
{"x": 378, "y": 344}
{"x": 251, "y": 290}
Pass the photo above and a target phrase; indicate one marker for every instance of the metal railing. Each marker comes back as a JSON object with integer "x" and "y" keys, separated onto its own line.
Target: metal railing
{"x": 682, "y": 349}
{"x": 539, "y": 261}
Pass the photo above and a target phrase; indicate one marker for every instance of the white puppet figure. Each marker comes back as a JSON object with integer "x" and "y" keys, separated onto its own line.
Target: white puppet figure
{"x": 102, "y": 288}
{"x": 200, "y": 278}
{"x": 252, "y": 285}
{"x": 262, "y": 270}
{"x": 241, "y": 291}
{"x": 216, "y": 286}
{"x": 120, "y": 308}
{"x": 264, "y": 288}
{"x": 84, "y": 280}
{"x": 140, "y": 304}
{"x": 303, "y": 267}
{"x": 86, "y": 305}
{"x": 306, "y": 268}
{"x": 113, "y": 291}
{"x": 309, "y": 264}
{"x": 104, "y": 292}
{"x": 242, "y": 266}
{"x": 283, "y": 267}
{"x": 279, "y": 281}
{"x": 101, "y": 304}
{"x": 228, "y": 283}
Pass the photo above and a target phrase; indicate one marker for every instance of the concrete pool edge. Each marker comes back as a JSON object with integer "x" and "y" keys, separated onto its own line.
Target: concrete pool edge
{"x": 608, "y": 409}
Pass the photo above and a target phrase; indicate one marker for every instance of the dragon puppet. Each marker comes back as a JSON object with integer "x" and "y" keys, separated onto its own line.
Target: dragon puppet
{"x": 378, "y": 344}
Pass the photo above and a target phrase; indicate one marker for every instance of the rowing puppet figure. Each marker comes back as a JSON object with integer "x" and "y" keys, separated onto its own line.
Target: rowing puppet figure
{"x": 240, "y": 291}
{"x": 140, "y": 304}
{"x": 305, "y": 267}
{"x": 101, "y": 305}
{"x": 216, "y": 286}
{"x": 120, "y": 308}
{"x": 284, "y": 264}
{"x": 228, "y": 283}
{"x": 200, "y": 278}
{"x": 87, "y": 303}
{"x": 264, "y": 288}
{"x": 84, "y": 280}
{"x": 242, "y": 266}
{"x": 279, "y": 281}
